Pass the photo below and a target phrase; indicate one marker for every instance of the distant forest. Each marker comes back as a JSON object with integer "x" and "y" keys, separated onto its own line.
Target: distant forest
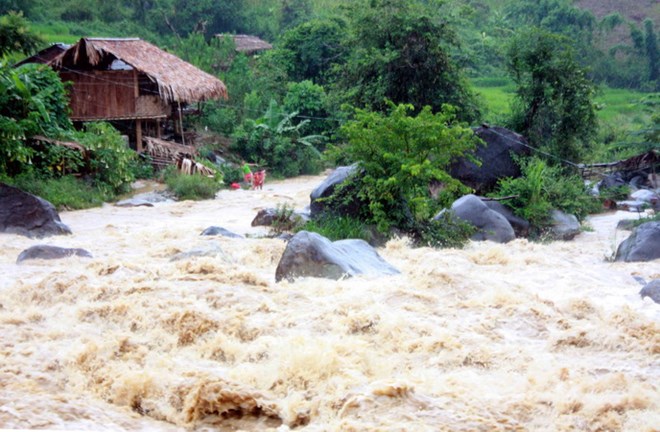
{"x": 616, "y": 40}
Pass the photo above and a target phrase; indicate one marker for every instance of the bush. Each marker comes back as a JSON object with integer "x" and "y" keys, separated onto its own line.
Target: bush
{"x": 274, "y": 142}
{"x": 65, "y": 193}
{"x": 446, "y": 232}
{"x": 399, "y": 156}
{"x": 542, "y": 188}
{"x": 191, "y": 187}
{"x": 111, "y": 163}
{"x": 336, "y": 227}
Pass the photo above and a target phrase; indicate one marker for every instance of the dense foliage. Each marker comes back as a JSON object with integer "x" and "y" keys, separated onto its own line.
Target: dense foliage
{"x": 554, "y": 105}
{"x": 399, "y": 155}
{"x": 543, "y": 188}
{"x": 401, "y": 52}
{"x": 33, "y": 104}
{"x": 370, "y": 79}
{"x": 274, "y": 142}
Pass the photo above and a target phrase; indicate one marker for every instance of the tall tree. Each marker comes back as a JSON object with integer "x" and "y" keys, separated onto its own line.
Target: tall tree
{"x": 652, "y": 53}
{"x": 553, "y": 105}
{"x": 15, "y": 35}
{"x": 400, "y": 51}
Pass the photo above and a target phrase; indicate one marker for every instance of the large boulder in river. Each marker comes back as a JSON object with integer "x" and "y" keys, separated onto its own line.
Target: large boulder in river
{"x": 651, "y": 290}
{"x": 490, "y": 224}
{"x": 312, "y": 255}
{"x": 642, "y": 245}
{"x": 520, "y": 226}
{"x": 563, "y": 226}
{"x": 495, "y": 157}
{"x": 219, "y": 231}
{"x": 46, "y": 252}
{"x": 328, "y": 187}
{"x": 26, "y": 214}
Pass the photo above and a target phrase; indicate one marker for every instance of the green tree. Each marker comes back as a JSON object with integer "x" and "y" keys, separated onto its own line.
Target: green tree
{"x": 400, "y": 51}
{"x": 399, "y": 156}
{"x": 652, "y": 52}
{"x": 553, "y": 107}
{"x": 32, "y": 101}
{"x": 274, "y": 142}
{"x": 309, "y": 50}
{"x": 310, "y": 102}
{"x": 15, "y": 35}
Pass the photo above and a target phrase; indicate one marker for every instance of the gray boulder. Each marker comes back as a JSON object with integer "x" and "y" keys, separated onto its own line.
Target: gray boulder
{"x": 311, "y": 255}
{"x": 26, "y": 214}
{"x": 642, "y": 245}
{"x": 269, "y": 217}
{"x": 327, "y": 188}
{"x": 564, "y": 226}
{"x": 495, "y": 155}
{"x": 490, "y": 224}
{"x": 651, "y": 290}
{"x": 520, "y": 226}
{"x": 216, "y": 230}
{"x": 612, "y": 181}
{"x": 46, "y": 252}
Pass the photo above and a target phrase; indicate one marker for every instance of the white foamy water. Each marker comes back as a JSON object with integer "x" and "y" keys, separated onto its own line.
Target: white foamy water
{"x": 523, "y": 336}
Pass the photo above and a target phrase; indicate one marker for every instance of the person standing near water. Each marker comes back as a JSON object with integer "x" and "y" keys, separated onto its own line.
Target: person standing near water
{"x": 247, "y": 173}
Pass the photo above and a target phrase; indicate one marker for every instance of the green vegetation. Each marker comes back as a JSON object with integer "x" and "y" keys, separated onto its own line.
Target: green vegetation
{"x": 391, "y": 84}
{"x": 338, "y": 227}
{"x": 553, "y": 107}
{"x": 273, "y": 141}
{"x": 65, "y": 193}
{"x": 399, "y": 155}
{"x": 543, "y": 187}
{"x": 191, "y": 187}
{"x": 32, "y": 103}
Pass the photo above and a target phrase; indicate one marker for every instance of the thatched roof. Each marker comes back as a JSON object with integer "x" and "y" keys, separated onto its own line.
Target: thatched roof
{"x": 177, "y": 80}
{"x": 248, "y": 44}
{"x": 45, "y": 55}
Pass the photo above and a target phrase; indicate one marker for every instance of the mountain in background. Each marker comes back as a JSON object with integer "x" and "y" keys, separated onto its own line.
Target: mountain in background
{"x": 634, "y": 10}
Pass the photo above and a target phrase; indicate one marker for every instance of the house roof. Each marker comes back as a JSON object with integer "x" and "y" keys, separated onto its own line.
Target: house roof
{"x": 248, "y": 44}
{"x": 45, "y": 55}
{"x": 177, "y": 80}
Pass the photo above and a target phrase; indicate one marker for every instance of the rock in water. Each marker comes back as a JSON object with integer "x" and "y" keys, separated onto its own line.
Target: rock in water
{"x": 26, "y": 214}
{"x": 651, "y": 290}
{"x": 497, "y": 163}
{"x": 46, "y": 252}
{"x": 216, "y": 230}
{"x": 642, "y": 245}
{"x": 490, "y": 224}
{"x": 312, "y": 255}
{"x": 520, "y": 226}
{"x": 327, "y": 188}
{"x": 564, "y": 226}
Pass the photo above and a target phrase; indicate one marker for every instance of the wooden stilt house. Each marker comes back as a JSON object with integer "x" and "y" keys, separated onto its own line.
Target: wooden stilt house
{"x": 133, "y": 84}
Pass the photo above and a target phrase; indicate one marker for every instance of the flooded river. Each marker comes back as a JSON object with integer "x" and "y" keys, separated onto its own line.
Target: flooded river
{"x": 523, "y": 336}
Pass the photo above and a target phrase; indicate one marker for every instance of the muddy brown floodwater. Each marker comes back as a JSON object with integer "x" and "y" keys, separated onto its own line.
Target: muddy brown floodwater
{"x": 523, "y": 336}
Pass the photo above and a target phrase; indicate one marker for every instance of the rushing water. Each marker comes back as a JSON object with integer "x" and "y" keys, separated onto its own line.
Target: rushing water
{"x": 523, "y": 336}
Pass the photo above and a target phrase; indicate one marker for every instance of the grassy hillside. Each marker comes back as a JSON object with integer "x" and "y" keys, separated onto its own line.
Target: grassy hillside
{"x": 619, "y": 107}
{"x": 635, "y": 10}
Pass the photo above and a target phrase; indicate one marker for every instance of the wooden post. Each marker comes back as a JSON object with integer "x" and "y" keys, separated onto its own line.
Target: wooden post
{"x": 138, "y": 122}
{"x": 138, "y": 135}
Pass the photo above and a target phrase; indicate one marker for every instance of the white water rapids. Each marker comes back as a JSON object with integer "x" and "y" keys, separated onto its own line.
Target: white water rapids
{"x": 522, "y": 336}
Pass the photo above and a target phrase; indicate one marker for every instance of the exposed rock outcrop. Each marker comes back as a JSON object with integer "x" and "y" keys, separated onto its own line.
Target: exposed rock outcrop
{"x": 312, "y": 255}
{"x": 642, "y": 245}
{"x": 26, "y": 214}
{"x": 46, "y": 252}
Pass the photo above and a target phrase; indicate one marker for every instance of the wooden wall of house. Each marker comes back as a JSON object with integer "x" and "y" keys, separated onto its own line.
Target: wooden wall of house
{"x": 101, "y": 94}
